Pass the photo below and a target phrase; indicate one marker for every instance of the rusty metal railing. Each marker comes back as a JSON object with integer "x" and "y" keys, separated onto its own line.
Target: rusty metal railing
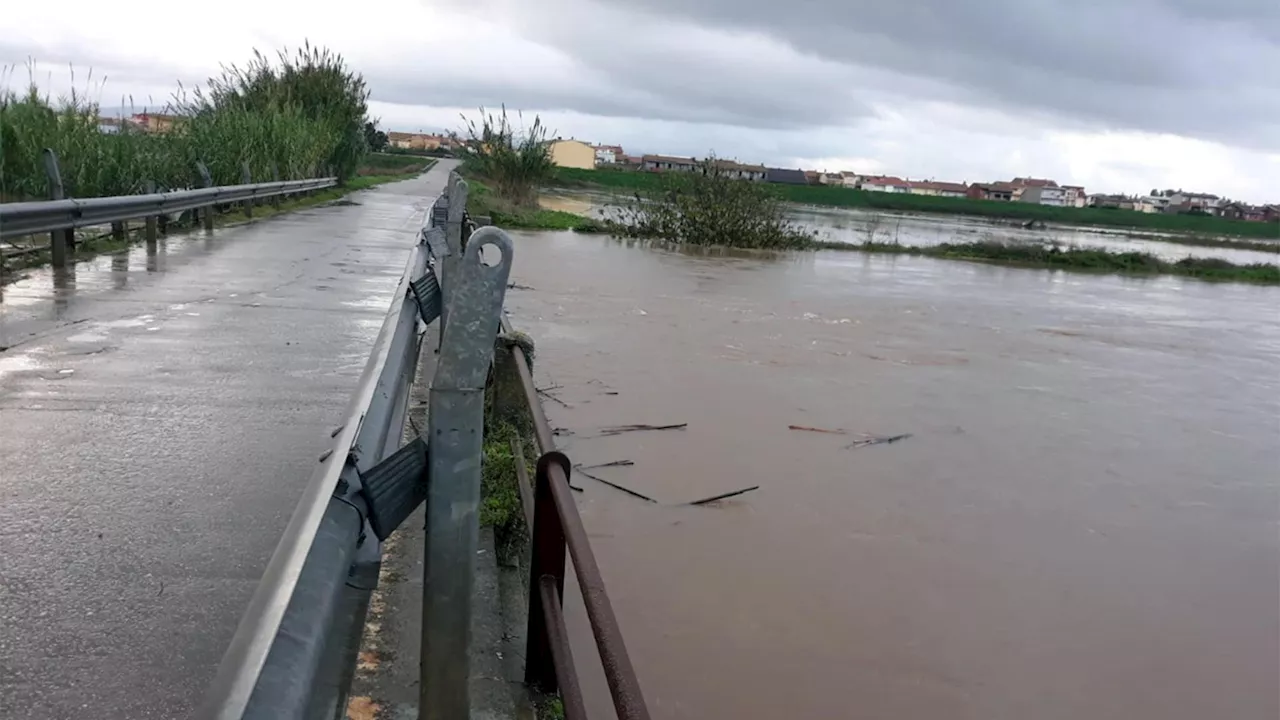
{"x": 556, "y": 527}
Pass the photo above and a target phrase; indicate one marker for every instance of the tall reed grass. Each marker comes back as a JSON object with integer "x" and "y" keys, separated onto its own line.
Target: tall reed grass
{"x": 297, "y": 117}
{"x": 514, "y": 162}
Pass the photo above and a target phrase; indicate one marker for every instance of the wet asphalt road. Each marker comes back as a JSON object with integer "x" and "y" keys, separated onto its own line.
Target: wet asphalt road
{"x": 159, "y": 414}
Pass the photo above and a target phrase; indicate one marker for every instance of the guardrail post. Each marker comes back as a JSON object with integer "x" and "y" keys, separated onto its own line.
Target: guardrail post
{"x": 62, "y": 242}
{"x": 162, "y": 223}
{"x": 120, "y": 230}
{"x": 246, "y": 178}
{"x": 455, "y": 432}
{"x": 457, "y": 198}
{"x": 206, "y": 212}
{"x": 151, "y": 219}
{"x": 275, "y": 176}
{"x": 547, "y": 561}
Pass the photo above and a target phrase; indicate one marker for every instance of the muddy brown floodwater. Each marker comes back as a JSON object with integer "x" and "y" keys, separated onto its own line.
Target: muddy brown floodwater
{"x": 1085, "y": 522}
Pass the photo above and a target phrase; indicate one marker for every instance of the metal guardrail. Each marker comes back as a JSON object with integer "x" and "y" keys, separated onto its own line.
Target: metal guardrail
{"x": 60, "y": 216}
{"x": 554, "y": 526}
{"x": 29, "y": 218}
{"x": 293, "y": 654}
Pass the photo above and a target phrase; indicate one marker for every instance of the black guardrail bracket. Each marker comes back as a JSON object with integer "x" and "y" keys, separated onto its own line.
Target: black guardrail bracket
{"x": 395, "y": 487}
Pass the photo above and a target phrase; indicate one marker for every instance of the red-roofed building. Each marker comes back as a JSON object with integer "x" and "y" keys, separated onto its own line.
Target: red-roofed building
{"x": 886, "y": 183}
{"x": 1002, "y": 191}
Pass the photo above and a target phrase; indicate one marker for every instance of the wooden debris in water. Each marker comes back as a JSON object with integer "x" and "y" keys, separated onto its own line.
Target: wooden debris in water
{"x": 547, "y": 394}
{"x": 876, "y": 441}
{"x": 615, "y": 463}
{"x": 619, "y": 429}
{"x": 614, "y": 485}
{"x": 724, "y": 496}
{"x": 806, "y": 428}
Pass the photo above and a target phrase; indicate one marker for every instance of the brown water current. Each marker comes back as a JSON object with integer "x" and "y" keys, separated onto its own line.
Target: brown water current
{"x": 1084, "y": 523}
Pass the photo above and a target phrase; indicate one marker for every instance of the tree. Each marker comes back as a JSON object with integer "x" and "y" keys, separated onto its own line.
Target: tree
{"x": 374, "y": 138}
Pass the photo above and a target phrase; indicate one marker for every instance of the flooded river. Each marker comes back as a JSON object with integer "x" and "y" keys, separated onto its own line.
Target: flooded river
{"x": 1084, "y": 523}
{"x": 859, "y": 226}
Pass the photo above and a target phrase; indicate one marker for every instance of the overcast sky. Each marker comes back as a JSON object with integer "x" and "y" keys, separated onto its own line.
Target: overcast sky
{"x": 1117, "y": 95}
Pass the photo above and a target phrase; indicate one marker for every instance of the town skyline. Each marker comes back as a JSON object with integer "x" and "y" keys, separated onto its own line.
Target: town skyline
{"x": 1152, "y": 199}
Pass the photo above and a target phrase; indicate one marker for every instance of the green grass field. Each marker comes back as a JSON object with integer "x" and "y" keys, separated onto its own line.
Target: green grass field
{"x": 629, "y": 181}
{"x": 1077, "y": 259}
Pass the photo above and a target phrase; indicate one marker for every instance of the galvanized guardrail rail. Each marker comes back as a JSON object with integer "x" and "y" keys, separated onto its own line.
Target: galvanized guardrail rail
{"x": 61, "y": 215}
{"x": 293, "y": 654}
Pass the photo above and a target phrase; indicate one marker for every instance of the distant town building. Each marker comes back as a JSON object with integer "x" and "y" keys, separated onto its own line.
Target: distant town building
{"x": 155, "y": 122}
{"x": 609, "y": 154}
{"x": 572, "y": 154}
{"x": 741, "y": 171}
{"x": 1190, "y": 202}
{"x": 661, "y": 163}
{"x": 1074, "y": 196}
{"x": 1001, "y": 191}
{"x": 885, "y": 183}
{"x": 415, "y": 141}
{"x": 1101, "y": 200}
{"x": 1052, "y": 196}
{"x": 786, "y": 177}
{"x": 939, "y": 189}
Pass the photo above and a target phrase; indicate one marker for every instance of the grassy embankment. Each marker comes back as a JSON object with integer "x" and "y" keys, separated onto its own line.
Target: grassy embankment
{"x": 631, "y": 181}
{"x": 483, "y": 200}
{"x": 1075, "y": 259}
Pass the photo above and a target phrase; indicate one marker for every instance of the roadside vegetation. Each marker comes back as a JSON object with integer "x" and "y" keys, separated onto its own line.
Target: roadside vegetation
{"x": 386, "y": 164}
{"x": 507, "y": 419}
{"x": 513, "y": 162}
{"x": 300, "y": 115}
{"x": 505, "y": 166}
{"x": 629, "y": 181}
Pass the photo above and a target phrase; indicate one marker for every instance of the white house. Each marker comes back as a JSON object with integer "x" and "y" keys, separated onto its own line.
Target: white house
{"x": 850, "y": 179}
{"x": 1074, "y": 196}
{"x": 608, "y": 154}
{"x": 1202, "y": 202}
{"x": 1151, "y": 204}
{"x": 1044, "y": 195}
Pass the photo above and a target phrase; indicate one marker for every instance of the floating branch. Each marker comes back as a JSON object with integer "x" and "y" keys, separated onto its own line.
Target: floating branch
{"x": 724, "y": 496}
{"x": 613, "y": 485}
{"x": 876, "y": 441}
{"x": 806, "y": 428}
{"x": 619, "y": 429}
